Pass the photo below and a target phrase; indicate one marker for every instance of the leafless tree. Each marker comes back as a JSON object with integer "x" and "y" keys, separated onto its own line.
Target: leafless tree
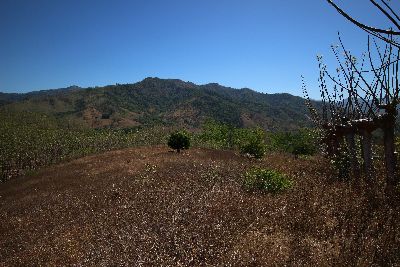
{"x": 363, "y": 94}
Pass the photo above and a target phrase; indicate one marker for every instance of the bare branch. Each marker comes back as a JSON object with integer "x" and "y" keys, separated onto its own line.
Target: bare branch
{"x": 359, "y": 24}
{"x": 386, "y": 13}
{"x": 391, "y": 10}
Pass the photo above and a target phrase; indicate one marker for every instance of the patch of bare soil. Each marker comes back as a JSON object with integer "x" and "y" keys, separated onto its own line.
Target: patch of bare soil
{"x": 152, "y": 207}
{"x": 94, "y": 119}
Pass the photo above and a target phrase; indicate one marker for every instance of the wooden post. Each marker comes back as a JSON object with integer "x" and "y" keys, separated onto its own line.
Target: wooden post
{"x": 351, "y": 143}
{"x": 387, "y": 123}
{"x": 390, "y": 159}
{"x": 367, "y": 154}
{"x": 335, "y": 144}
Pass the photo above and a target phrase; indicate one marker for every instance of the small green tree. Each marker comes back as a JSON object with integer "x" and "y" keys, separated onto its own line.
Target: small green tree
{"x": 254, "y": 144}
{"x": 179, "y": 140}
{"x": 218, "y": 135}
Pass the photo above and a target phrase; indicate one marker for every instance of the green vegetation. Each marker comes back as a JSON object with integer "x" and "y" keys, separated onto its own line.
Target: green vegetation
{"x": 30, "y": 140}
{"x": 217, "y": 135}
{"x": 224, "y": 136}
{"x": 255, "y": 141}
{"x": 254, "y": 145}
{"x": 302, "y": 142}
{"x": 254, "y": 148}
{"x": 266, "y": 180}
{"x": 45, "y": 127}
{"x": 164, "y": 102}
{"x": 179, "y": 140}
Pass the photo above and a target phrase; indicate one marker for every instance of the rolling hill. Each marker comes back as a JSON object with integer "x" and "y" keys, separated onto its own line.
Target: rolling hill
{"x": 149, "y": 207}
{"x": 155, "y": 101}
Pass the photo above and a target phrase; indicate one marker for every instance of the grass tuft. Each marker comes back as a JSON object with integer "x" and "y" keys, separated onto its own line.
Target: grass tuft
{"x": 266, "y": 180}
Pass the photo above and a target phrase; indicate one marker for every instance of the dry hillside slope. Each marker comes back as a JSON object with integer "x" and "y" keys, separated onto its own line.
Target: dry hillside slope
{"x": 152, "y": 207}
{"x": 167, "y": 102}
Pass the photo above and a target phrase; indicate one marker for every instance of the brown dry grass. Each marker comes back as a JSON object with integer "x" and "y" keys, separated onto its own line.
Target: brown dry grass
{"x": 152, "y": 207}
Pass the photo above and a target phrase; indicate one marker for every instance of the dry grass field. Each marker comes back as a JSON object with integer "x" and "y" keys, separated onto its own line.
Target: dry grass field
{"x": 149, "y": 206}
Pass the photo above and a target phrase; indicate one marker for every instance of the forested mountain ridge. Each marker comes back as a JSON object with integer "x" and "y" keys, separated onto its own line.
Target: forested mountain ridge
{"x": 155, "y": 101}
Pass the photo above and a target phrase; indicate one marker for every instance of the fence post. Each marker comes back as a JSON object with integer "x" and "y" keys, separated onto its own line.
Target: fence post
{"x": 367, "y": 154}
{"x": 353, "y": 153}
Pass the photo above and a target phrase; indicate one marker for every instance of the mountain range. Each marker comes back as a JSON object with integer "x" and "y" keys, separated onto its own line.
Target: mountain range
{"x": 168, "y": 102}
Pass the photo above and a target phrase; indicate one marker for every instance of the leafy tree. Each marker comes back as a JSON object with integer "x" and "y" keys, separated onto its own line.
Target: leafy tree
{"x": 254, "y": 144}
{"x": 179, "y": 140}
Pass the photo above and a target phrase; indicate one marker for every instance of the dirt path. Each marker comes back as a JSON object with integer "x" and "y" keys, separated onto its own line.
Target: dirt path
{"x": 151, "y": 207}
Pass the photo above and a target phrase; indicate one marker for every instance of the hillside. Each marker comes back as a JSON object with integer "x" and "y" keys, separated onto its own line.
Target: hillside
{"x": 150, "y": 207}
{"x": 156, "y": 101}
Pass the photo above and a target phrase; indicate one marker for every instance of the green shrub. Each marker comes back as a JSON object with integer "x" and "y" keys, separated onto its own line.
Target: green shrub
{"x": 224, "y": 136}
{"x": 179, "y": 140}
{"x": 302, "y": 142}
{"x": 254, "y": 144}
{"x": 254, "y": 148}
{"x": 217, "y": 135}
{"x": 266, "y": 180}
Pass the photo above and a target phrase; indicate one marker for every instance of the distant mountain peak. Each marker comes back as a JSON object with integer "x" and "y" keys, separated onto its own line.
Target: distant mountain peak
{"x": 166, "y": 102}
{"x": 213, "y": 84}
{"x": 73, "y": 87}
{"x": 151, "y": 79}
{"x": 155, "y": 82}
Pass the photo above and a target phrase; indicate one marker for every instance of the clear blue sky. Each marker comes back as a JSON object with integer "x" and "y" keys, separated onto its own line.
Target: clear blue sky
{"x": 261, "y": 44}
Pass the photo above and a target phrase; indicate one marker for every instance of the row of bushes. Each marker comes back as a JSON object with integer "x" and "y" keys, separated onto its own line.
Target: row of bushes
{"x": 250, "y": 141}
{"x": 256, "y": 179}
{"x": 30, "y": 140}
